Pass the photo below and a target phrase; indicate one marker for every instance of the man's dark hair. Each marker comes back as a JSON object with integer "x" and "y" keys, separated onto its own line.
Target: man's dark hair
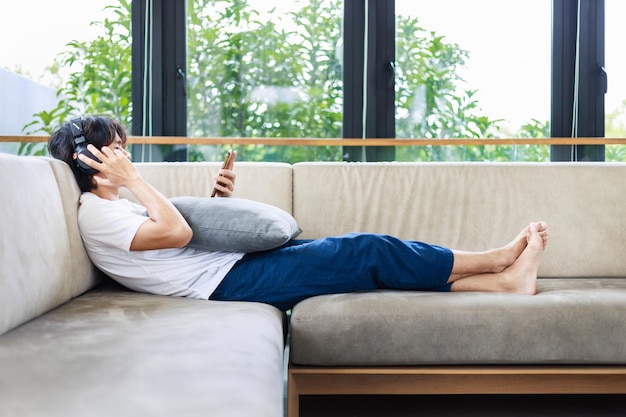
{"x": 99, "y": 131}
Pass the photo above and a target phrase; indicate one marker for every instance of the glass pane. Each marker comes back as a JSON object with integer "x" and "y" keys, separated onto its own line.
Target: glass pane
{"x": 473, "y": 69}
{"x": 265, "y": 69}
{"x": 615, "y": 99}
{"x": 54, "y": 47}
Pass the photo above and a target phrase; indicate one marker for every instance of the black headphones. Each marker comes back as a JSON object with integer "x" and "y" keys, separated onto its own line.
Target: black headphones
{"x": 80, "y": 147}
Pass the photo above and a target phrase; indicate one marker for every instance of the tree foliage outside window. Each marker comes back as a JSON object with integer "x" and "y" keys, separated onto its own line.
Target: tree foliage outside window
{"x": 432, "y": 102}
{"x": 255, "y": 73}
{"x": 99, "y": 83}
{"x": 264, "y": 74}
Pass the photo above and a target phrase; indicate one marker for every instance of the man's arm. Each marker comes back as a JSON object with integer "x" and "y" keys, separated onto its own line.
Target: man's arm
{"x": 165, "y": 227}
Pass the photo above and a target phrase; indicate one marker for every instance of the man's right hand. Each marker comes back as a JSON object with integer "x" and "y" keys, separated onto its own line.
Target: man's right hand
{"x": 115, "y": 167}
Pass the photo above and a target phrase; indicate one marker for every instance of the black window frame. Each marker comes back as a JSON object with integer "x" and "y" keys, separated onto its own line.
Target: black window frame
{"x": 376, "y": 20}
{"x": 592, "y": 78}
{"x": 159, "y": 49}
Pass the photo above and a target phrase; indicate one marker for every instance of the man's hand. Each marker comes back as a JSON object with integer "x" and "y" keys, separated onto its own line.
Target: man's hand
{"x": 225, "y": 180}
{"x": 225, "y": 183}
{"x": 115, "y": 167}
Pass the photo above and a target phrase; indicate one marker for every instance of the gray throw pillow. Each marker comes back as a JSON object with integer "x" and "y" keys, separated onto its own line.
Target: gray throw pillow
{"x": 236, "y": 224}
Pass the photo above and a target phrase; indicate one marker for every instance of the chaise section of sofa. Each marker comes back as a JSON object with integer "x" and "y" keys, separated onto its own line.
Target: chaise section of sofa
{"x": 569, "y": 338}
{"x": 74, "y": 343}
{"x": 111, "y": 352}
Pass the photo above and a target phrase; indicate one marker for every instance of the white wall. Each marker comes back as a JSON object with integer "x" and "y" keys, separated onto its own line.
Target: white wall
{"x": 20, "y": 98}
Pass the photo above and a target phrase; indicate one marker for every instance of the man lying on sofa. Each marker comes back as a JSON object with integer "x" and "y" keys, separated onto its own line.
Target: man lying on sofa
{"x": 145, "y": 247}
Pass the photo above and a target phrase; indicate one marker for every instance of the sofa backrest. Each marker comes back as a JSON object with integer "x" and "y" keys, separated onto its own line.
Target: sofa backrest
{"x": 42, "y": 259}
{"x": 470, "y": 206}
{"x": 475, "y": 206}
{"x": 267, "y": 182}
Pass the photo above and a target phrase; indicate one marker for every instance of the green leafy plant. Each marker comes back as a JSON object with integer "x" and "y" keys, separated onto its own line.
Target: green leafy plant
{"x": 270, "y": 76}
{"x": 99, "y": 83}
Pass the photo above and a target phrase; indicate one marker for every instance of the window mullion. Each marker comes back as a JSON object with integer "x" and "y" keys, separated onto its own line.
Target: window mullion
{"x": 584, "y": 39}
{"x": 159, "y": 67}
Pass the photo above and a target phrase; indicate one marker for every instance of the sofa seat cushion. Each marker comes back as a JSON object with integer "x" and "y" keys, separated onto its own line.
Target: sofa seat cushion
{"x": 112, "y": 352}
{"x": 569, "y": 321}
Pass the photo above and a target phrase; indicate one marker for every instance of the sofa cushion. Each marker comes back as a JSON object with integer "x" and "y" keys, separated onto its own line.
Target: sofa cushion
{"x": 113, "y": 352}
{"x": 570, "y": 321}
{"x": 236, "y": 224}
{"x": 474, "y": 207}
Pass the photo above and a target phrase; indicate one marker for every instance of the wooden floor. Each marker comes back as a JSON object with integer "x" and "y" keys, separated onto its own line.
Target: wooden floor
{"x": 465, "y": 406}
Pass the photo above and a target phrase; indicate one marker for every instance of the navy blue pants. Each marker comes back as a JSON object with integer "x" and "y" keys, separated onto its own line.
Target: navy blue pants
{"x": 355, "y": 262}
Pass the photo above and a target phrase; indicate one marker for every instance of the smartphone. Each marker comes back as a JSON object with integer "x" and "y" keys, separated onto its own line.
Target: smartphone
{"x": 228, "y": 164}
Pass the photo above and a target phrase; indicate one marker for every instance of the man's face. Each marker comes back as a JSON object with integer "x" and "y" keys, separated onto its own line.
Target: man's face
{"x": 117, "y": 144}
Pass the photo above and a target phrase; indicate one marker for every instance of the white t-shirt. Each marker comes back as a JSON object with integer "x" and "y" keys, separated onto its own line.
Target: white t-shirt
{"x": 108, "y": 228}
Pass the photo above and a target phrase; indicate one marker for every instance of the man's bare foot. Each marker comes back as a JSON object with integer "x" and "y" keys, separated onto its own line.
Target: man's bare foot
{"x": 521, "y": 276}
{"x": 508, "y": 254}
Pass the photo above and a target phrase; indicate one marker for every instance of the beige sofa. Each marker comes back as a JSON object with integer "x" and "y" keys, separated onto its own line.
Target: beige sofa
{"x": 76, "y": 344}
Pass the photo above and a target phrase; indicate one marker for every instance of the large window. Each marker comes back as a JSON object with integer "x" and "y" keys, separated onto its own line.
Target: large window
{"x": 576, "y": 81}
{"x": 406, "y": 69}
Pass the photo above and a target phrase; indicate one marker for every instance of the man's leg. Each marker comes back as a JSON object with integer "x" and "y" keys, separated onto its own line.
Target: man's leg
{"x": 362, "y": 262}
